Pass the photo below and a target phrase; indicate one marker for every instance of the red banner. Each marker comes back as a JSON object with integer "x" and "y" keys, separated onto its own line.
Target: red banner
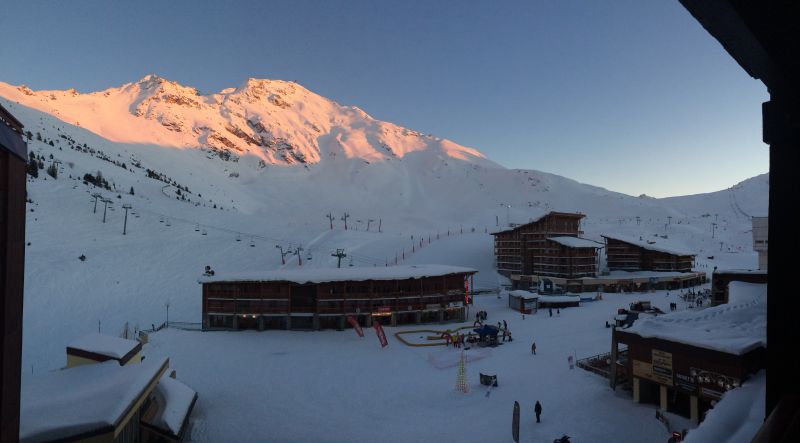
{"x": 354, "y": 323}
{"x": 379, "y": 331}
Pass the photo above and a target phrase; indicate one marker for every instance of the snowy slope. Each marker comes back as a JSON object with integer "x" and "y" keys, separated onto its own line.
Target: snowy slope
{"x": 160, "y": 138}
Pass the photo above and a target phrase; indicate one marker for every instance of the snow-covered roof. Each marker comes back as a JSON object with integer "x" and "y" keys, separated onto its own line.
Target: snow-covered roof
{"x": 108, "y": 345}
{"x": 559, "y": 298}
{"x": 736, "y": 327}
{"x": 660, "y": 244}
{"x": 69, "y": 402}
{"x": 523, "y": 293}
{"x": 576, "y": 242}
{"x": 534, "y": 220}
{"x": 175, "y": 401}
{"x": 740, "y": 271}
{"x": 321, "y": 275}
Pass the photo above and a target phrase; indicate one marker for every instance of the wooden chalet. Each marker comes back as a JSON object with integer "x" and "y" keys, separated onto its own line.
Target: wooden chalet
{"x": 684, "y": 362}
{"x": 547, "y": 246}
{"x": 13, "y": 160}
{"x": 630, "y": 254}
{"x": 324, "y": 298}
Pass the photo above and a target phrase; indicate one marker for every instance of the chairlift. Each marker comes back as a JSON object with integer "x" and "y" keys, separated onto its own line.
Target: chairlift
{"x": 252, "y": 243}
{"x": 168, "y": 223}
{"x": 308, "y": 257}
{"x": 238, "y": 237}
{"x": 161, "y": 220}
{"x": 197, "y": 227}
{"x": 204, "y": 232}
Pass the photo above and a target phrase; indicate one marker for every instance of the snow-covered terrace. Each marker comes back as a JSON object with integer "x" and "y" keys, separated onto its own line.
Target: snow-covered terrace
{"x": 658, "y": 245}
{"x": 324, "y": 275}
{"x": 736, "y": 327}
{"x": 83, "y": 400}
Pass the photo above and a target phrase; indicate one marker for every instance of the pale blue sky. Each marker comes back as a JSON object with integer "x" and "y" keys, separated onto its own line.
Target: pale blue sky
{"x": 630, "y": 95}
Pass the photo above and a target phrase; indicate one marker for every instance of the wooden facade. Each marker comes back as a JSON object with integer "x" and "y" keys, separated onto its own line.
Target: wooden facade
{"x": 679, "y": 377}
{"x": 13, "y": 158}
{"x": 625, "y": 256}
{"x": 528, "y": 250}
{"x": 232, "y": 304}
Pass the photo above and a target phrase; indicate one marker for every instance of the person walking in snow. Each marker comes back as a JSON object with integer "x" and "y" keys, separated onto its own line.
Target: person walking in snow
{"x": 505, "y": 325}
{"x": 538, "y": 410}
{"x": 551, "y": 311}
{"x": 533, "y": 348}
{"x": 558, "y": 311}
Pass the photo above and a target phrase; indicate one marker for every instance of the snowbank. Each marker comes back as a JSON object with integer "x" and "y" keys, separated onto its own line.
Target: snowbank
{"x": 736, "y": 327}
{"x": 735, "y": 418}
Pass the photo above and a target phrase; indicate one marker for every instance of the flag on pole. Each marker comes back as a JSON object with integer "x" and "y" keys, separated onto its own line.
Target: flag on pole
{"x": 354, "y": 323}
{"x": 381, "y": 335}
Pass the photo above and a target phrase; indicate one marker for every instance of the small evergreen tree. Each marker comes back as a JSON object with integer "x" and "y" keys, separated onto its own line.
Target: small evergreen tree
{"x": 33, "y": 168}
{"x": 52, "y": 170}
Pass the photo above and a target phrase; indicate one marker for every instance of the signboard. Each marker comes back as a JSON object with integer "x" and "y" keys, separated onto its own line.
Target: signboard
{"x": 381, "y": 334}
{"x": 662, "y": 367}
{"x": 685, "y": 382}
{"x": 515, "y": 423}
{"x": 354, "y": 323}
{"x": 642, "y": 369}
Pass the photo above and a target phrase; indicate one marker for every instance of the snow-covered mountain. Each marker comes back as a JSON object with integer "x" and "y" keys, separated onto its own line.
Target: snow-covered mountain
{"x": 223, "y": 179}
{"x": 274, "y": 121}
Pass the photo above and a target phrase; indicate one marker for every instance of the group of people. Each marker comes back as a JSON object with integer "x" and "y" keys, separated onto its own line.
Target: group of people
{"x": 458, "y": 340}
{"x": 550, "y": 310}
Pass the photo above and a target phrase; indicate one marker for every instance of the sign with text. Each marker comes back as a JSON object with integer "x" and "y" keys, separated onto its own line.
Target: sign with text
{"x": 662, "y": 367}
{"x": 642, "y": 369}
{"x": 685, "y": 382}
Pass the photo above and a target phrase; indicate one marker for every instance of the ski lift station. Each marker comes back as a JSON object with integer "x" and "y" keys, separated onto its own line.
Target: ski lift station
{"x": 324, "y": 298}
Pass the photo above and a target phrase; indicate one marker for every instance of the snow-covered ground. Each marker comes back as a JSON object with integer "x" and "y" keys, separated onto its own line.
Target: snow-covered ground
{"x": 435, "y": 203}
{"x": 332, "y": 386}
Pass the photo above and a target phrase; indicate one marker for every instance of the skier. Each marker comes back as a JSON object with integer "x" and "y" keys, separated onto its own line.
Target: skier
{"x": 538, "y": 410}
{"x": 533, "y": 348}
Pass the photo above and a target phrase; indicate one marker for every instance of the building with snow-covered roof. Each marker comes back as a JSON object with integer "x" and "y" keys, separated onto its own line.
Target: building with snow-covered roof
{"x": 685, "y": 361}
{"x": 652, "y": 254}
{"x": 721, "y": 279}
{"x": 546, "y": 246}
{"x": 329, "y": 298}
{"x": 101, "y": 402}
{"x": 13, "y": 162}
{"x": 101, "y": 397}
{"x": 95, "y": 348}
